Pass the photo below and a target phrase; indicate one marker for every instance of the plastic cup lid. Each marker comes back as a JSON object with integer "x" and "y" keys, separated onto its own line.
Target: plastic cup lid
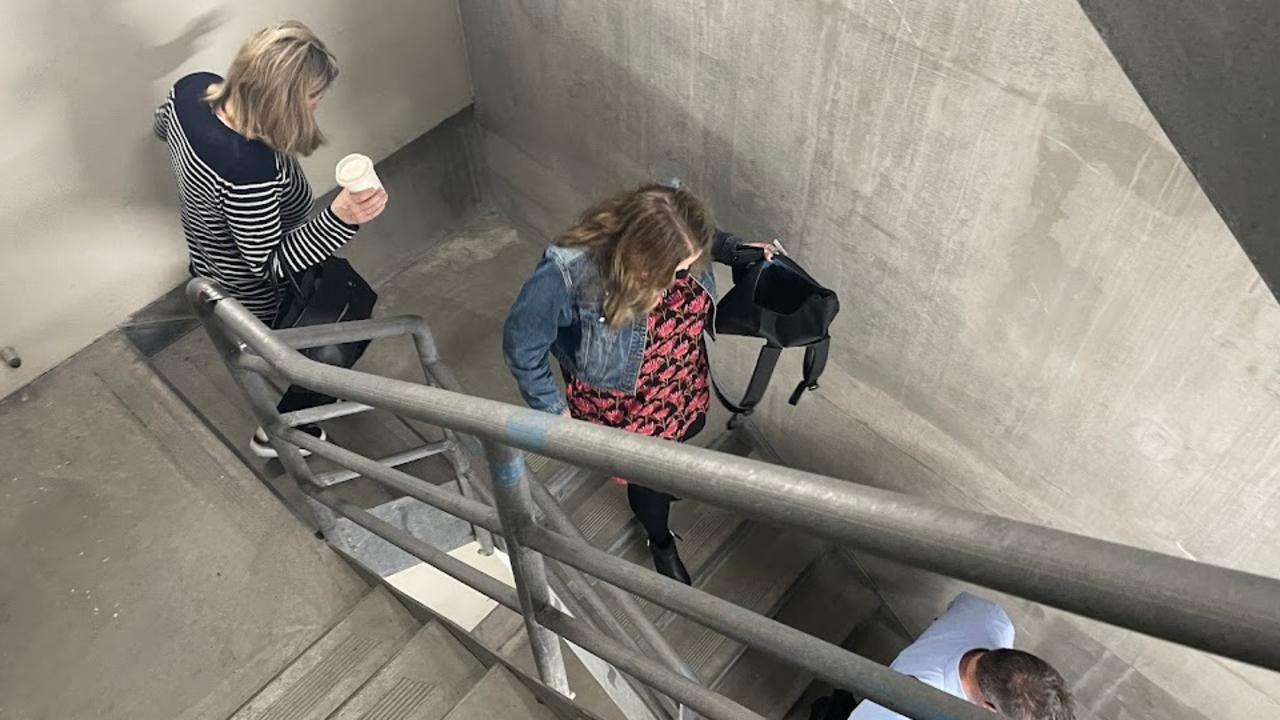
{"x": 352, "y": 168}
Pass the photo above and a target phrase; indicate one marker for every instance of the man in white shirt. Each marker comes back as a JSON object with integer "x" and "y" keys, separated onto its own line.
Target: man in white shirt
{"x": 968, "y": 653}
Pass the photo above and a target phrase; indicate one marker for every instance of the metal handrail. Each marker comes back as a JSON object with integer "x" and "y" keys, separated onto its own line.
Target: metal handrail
{"x": 1220, "y": 610}
{"x": 571, "y": 587}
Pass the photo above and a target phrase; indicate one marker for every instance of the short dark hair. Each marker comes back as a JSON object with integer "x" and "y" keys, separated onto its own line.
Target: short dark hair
{"x": 1023, "y": 687}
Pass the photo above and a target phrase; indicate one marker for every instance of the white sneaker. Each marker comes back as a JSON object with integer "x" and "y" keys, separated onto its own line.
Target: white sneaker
{"x": 260, "y": 444}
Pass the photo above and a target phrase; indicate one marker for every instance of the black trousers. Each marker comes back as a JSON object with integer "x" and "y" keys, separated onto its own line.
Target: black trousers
{"x": 836, "y": 706}
{"x": 300, "y": 398}
{"x": 653, "y": 507}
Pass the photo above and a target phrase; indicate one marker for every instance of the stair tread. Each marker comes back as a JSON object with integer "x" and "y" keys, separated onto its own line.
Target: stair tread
{"x": 498, "y": 627}
{"x": 570, "y": 485}
{"x": 588, "y": 692}
{"x": 423, "y": 681}
{"x": 829, "y": 602}
{"x": 756, "y": 575}
{"x": 332, "y": 669}
{"x": 604, "y": 516}
{"x": 705, "y": 530}
{"x": 878, "y": 640}
{"x": 197, "y": 374}
{"x": 499, "y": 694}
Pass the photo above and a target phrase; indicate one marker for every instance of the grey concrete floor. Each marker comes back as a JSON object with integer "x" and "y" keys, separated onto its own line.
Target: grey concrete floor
{"x": 146, "y": 572}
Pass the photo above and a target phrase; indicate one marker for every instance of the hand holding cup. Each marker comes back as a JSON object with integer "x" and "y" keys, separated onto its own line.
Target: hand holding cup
{"x": 362, "y": 198}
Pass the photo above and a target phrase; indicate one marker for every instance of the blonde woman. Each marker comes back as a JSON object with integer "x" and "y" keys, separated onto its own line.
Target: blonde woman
{"x": 246, "y": 205}
{"x": 622, "y": 300}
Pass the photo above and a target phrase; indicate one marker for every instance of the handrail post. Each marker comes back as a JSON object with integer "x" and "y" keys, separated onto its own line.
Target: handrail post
{"x": 260, "y": 393}
{"x": 457, "y": 459}
{"x": 261, "y": 399}
{"x": 509, "y": 475}
{"x": 648, "y": 633}
{"x": 574, "y": 590}
{"x": 433, "y": 373}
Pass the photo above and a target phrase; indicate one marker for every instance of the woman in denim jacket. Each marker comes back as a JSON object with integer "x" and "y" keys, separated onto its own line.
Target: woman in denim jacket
{"x": 621, "y": 300}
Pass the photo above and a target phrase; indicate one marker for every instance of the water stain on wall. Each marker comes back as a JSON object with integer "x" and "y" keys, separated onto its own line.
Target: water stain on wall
{"x": 1049, "y": 300}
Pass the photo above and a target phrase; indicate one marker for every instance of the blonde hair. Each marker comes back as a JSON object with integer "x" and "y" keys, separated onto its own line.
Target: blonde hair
{"x": 271, "y": 84}
{"x": 639, "y": 238}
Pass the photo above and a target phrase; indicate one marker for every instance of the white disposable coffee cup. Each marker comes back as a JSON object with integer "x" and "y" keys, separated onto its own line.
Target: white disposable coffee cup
{"x": 355, "y": 172}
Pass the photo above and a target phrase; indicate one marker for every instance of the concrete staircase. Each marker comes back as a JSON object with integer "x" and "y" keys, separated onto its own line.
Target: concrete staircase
{"x": 778, "y": 573}
{"x": 380, "y": 662}
{"x": 782, "y": 574}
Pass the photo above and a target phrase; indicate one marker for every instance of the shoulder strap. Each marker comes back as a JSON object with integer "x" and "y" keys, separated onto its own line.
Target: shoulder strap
{"x": 765, "y": 363}
{"x": 277, "y": 268}
{"x": 815, "y": 361}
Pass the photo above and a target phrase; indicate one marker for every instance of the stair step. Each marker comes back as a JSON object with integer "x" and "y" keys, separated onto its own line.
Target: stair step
{"x": 827, "y": 603}
{"x": 604, "y": 517}
{"x": 500, "y": 695}
{"x": 705, "y": 529}
{"x": 542, "y": 466}
{"x": 571, "y": 485}
{"x": 424, "y": 521}
{"x": 879, "y": 639}
{"x": 587, "y": 691}
{"x": 757, "y": 575}
{"x": 196, "y": 372}
{"x": 395, "y": 460}
{"x": 498, "y": 627}
{"x": 330, "y": 671}
{"x": 422, "y": 682}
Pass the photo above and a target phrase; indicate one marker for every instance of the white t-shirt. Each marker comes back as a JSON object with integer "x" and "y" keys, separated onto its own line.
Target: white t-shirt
{"x": 970, "y": 622}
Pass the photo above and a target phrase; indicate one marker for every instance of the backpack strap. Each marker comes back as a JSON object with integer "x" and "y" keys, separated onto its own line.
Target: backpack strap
{"x": 815, "y": 361}
{"x": 766, "y": 361}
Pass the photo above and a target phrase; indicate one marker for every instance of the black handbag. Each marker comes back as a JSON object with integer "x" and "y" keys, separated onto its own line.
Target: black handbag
{"x": 780, "y": 302}
{"x": 328, "y": 292}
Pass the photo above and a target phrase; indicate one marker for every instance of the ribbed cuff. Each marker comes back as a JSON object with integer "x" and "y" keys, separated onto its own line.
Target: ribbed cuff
{"x": 331, "y": 218}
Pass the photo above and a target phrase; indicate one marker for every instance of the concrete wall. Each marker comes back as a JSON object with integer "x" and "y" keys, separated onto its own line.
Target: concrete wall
{"x": 1044, "y": 316}
{"x": 1205, "y": 69}
{"x": 87, "y": 203}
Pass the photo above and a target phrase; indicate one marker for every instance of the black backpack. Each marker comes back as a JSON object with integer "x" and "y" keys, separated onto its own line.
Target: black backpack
{"x": 780, "y": 302}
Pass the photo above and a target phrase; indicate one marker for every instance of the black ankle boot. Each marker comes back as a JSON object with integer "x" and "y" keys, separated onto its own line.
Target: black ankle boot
{"x": 666, "y": 560}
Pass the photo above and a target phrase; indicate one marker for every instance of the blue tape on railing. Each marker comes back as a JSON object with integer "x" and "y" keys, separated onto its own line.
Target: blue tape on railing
{"x": 529, "y": 429}
{"x": 507, "y": 474}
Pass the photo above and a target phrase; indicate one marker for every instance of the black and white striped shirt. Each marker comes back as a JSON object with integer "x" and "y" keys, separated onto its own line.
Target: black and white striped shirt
{"x": 240, "y": 201}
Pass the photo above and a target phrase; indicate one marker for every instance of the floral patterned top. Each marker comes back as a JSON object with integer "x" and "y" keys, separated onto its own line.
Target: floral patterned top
{"x": 672, "y": 392}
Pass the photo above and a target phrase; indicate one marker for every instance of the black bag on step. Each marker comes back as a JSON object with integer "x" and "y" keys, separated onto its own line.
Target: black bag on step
{"x": 328, "y": 292}
{"x": 780, "y": 302}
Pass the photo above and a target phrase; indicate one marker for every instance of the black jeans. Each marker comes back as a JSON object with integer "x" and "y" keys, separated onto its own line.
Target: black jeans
{"x": 300, "y": 398}
{"x": 653, "y": 507}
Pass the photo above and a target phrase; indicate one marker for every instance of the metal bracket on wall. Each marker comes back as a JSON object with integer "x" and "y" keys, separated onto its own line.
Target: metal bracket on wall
{"x": 10, "y": 357}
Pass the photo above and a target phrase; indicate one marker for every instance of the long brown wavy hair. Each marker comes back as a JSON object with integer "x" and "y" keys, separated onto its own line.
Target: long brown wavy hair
{"x": 639, "y": 238}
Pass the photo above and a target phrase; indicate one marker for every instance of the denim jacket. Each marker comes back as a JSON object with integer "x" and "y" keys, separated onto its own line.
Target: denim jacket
{"x": 560, "y": 312}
